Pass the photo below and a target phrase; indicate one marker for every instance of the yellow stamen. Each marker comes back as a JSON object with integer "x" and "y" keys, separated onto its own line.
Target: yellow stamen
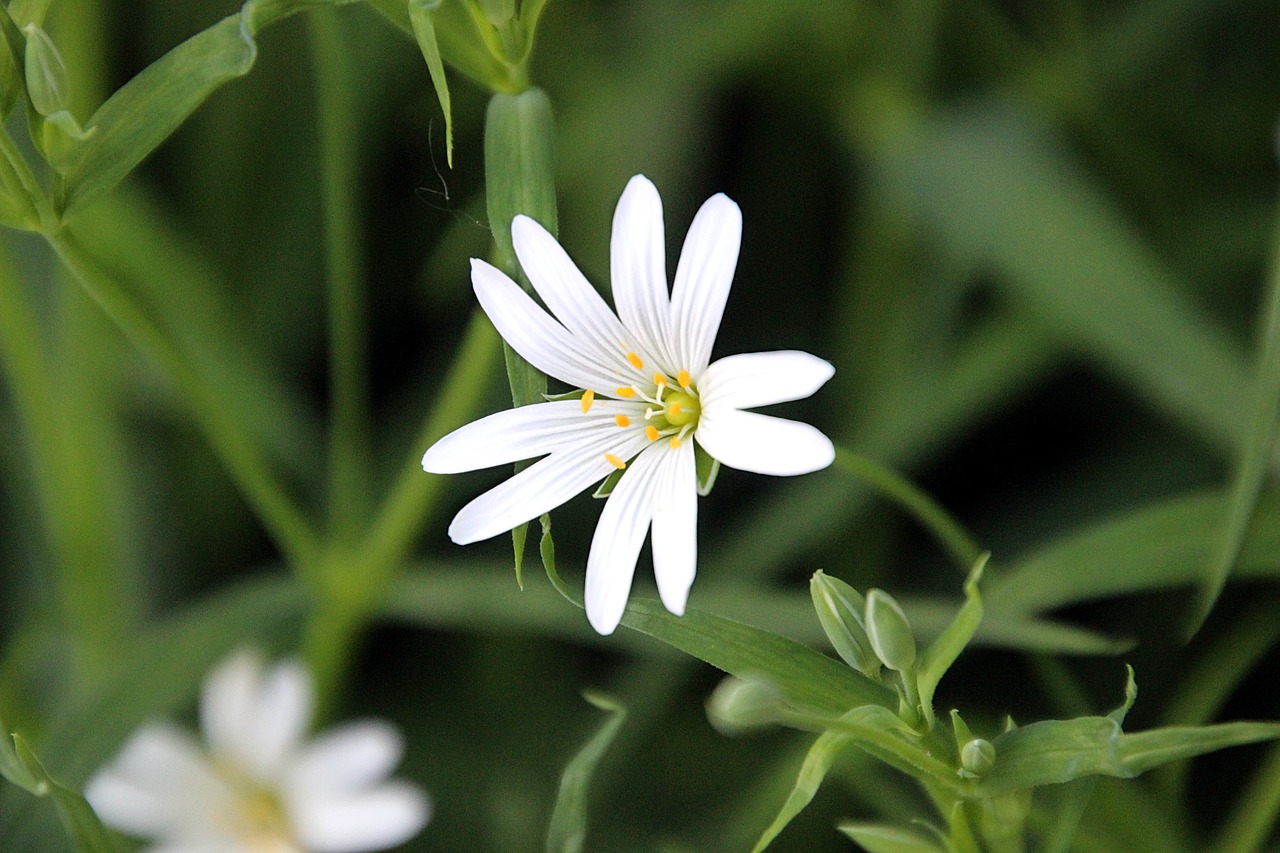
{"x": 622, "y": 420}
{"x": 625, "y": 392}
{"x": 588, "y": 397}
{"x": 651, "y": 432}
{"x": 675, "y": 442}
{"x": 659, "y": 379}
{"x": 674, "y": 410}
{"x": 684, "y": 379}
{"x": 635, "y": 361}
{"x": 615, "y": 461}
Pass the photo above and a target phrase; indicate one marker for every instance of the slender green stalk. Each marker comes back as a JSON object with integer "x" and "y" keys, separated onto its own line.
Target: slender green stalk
{"x": 288, "y": 527}
{"x": 1250, "y": 825}
{"x": 348, "y": 399}
{"x": 918, "y": 504}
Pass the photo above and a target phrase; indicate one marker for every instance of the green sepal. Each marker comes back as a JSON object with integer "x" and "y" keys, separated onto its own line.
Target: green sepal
{"x": 567, "y": 395}
{"x": 880, "y": 838}
{"x": 944, "y": 650}
{"x": 46, "y": 73}
{"x": 707, "y": 467}
{"x": 889, "y": 631}
{"x": 606, "y": 488}
{"x": 840, "y": 610}
{"x": 961, "y": 730}
{"x": 741, "y": 704}
{"x": 568, "y": 830}
{"x": 420, "y": 16}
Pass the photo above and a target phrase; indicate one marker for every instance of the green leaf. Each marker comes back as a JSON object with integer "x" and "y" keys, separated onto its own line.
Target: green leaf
{"x": 568, "y": 830}
{"x": 19, "y": 764}
{"x": 519, "y": 167}
{"x": 944, "y": 650}
{"x": 814, "y": 769}
{"x": 889, "y": 631}
{"x": 879, "y": 838}
{"x": 809, "y": 681}
{"x": 46, "y": 73}
{"x": 420, "y": 13}
{"x": 1056, "y": 751}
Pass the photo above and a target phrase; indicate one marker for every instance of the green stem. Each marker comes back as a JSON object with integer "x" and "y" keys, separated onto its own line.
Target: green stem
{"x": 287, "y": 526}
{"x": 1251, "y": 823}
{"x": 349, "y": 405}
{"x": 918, "y": 504}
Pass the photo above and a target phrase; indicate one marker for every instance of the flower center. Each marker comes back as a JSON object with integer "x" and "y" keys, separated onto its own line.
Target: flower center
{"x": 671, "y": 407}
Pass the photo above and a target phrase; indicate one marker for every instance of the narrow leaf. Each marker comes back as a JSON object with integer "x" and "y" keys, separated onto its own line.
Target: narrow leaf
{"x": 878, "y": 838}
{"x": 814, "y": 769}
{"x": 420, "y": 14}
{"x": 568, "y": 830}
{"x": 78, "y": 818}
{"x": 944, "y": 650}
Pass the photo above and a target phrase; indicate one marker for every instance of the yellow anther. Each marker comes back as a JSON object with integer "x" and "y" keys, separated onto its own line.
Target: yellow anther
{"x": 625, "y": 392}
{"x": 615, "y": 461}
{"x": 674, "y": 410}
{"x": 588, "y": 397}
{"x": 635, "y": 361}
{"x": 622, "y": 420}
{"x": 659, "y": 379}
{"x": 651, "y": 432}
{"x": 684, "y": 379}
{"x": 675, "y": 442}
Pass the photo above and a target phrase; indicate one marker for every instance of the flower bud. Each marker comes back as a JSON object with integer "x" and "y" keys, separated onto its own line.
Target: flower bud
{"x": 840, "y": 610}
{"x": 889, "y": 632}
{"x": 977, "y": 758}
{"x": 737, "y": 705}
{"x": 46, "y": 74}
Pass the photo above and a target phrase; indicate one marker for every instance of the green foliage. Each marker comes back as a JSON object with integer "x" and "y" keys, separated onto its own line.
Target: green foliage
{"x": 568, "y": 829}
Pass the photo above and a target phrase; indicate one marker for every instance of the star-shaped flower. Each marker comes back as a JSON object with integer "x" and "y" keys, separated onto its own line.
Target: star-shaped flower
{"x": 256, "y": 786}
{"x": 650, "y": 393}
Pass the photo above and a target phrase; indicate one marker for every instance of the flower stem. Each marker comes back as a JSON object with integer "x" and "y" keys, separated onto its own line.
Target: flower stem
{"x": 916, "y": 502}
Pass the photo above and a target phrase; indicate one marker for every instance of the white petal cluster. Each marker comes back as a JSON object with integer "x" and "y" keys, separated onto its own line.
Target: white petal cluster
{"x": 651, "y": 393}
{"x": 256, "y": 785}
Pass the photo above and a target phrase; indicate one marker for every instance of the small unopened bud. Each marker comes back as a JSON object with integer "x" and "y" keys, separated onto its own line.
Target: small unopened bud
{"x": 889, "y": 632}
{"x": 738, "y": 705}
{"x": 840, "y": 610}
{"x": 977, "y": 758}
{"x": 46, "y": 74}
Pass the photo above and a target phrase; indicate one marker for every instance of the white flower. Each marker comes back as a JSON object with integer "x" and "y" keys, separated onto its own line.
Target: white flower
{"x": 256, "y": 786}
{"x": 649, "y": 389}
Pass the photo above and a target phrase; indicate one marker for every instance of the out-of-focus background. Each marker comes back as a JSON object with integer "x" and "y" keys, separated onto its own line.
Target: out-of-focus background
{"x": 1033, "y": 237}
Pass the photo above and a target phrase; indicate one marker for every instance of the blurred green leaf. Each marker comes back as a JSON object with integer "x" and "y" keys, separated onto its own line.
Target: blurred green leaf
{"x": 814, "y": 769}
{"x": 878, "y": 838}
{"x": 944, "y": 650}
{"x": 12, "y": 767}
{"x": 568, "y": 830}
{"x": 79, "y": 820}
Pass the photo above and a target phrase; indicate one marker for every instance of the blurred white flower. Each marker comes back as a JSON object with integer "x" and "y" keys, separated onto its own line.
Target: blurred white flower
{"x": 256, "y": 785}
{"x": 650, "y": 394}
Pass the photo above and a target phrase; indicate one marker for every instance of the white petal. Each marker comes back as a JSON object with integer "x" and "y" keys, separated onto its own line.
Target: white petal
{"x": 227, "y": 701}
{"x": 523, "y": 433}
{"x": 619, "y": 534}
{"x": 575, "y": 303}
{"x": 544, "y": 485}
{"x": 542, "y": 341}
{"x": 762, "y": 444}
{"x": 346, "y": 759}
{"x": 373, "y": 820}
{"x": 703, "y": 277}
{"x": 282, "y": 714}
{"x": 159, "y": 785}
{"x": 638, "y": 269}
{"x": 761, "y": 379}
{"x": 675, "y": 530}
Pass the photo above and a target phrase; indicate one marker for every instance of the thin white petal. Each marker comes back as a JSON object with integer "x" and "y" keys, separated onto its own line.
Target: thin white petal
{"x": 372, "y": 820}
{"x": 541, "y": 340}
{"x": 575, "y": 303}
{"x": 543, "y": 486}
{"x": 675, "y": 530}
{"x": 761, "y": 379}
{"x": 227, "y": 701}
{"x": 158, "y": 785}
{"x": 703, "y": 277}
{"x": 282, "y": 714}
{"x": 762, "y": 444}
{"x": 345, "y": 759}
{"x": 611, "y": 563}
{"x": 638, "y": 269}
{"x": 523, "y": 433}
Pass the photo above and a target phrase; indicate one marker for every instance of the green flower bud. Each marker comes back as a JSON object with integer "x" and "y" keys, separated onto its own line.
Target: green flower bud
{"x": 738, "y": 705}
{"x": 840, "y": 610}
{"x": 977, "y": 758}
{"x": 46, "y": 74}
{"x": 889, "y": 631}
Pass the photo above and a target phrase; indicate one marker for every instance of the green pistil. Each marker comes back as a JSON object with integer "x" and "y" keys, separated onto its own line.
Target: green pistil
{"x": 680, "y": 409}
